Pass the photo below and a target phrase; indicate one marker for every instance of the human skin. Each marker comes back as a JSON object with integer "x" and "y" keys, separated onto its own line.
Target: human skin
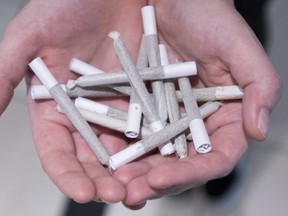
{"x": 208, "y": 31}
{"x": 227, "y": 52}
{"x": 56, "y": 31}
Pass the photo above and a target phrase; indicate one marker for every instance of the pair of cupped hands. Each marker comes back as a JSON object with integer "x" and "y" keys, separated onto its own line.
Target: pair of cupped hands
{"x": 208, "y": 31}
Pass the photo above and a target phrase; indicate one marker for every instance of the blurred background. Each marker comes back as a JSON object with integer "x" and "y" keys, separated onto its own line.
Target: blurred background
{"x": 260, "y": 187}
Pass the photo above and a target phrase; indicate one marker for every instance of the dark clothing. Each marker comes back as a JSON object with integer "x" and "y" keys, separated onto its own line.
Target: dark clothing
{"x": 254, "y": 12}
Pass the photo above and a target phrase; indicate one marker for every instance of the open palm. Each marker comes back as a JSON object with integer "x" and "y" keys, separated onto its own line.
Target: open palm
{"x": 227, "y": 52}
{"x": 56, "y": 31}
{"x": 208, "y": 31}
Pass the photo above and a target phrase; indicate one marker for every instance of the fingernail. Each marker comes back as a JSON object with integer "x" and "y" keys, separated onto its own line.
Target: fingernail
{"x": 98, "y": 200}
{"x": 263, "y": 121}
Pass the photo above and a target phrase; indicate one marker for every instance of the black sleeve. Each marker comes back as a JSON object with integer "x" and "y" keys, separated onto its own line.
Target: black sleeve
{"x": 255, "y": 14}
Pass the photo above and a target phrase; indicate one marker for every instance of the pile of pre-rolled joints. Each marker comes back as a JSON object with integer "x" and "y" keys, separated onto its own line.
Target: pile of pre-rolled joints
{"x": 154, "y": 119}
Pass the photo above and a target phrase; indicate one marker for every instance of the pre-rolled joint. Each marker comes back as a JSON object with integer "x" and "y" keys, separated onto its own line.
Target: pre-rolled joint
{"x": 43, "y": 73}
{"x": 149, "y": 20}
{"x": 163, "y": 55}
{"x": 181, "y": 69}
{"x": 92, "y": 106}
{"x": 205, "y": 148}
{"x": 70, "y": 84}
{"x": 114, "y": 35}
{"x": 200, "y": 136}
{"x": 166, "y": 148}
{"x": 41, "y": 92}
{"x": 227, "y": 92}
{"x": 133, "y": 120}
{"x": 127, "y": 155}
{"x": 156, "y": 126}
{"x": 83, "y": 68}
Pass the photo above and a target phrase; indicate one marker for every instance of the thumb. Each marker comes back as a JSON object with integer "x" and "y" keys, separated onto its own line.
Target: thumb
{"x": 262, "y": 89}
{"x": 260, "y": 97}
{"x": 15, "y": 53}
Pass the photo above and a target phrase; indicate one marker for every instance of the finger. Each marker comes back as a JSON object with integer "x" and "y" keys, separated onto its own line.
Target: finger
{"x": 135, "y": 207}
{"x": 254, "y": 71}
{"x": 107, "y": 188}
{"x": 138, "y": 188}
{"x": 55, "y": 147}
{"x": 55, "y": 144}
{"x": 229, "y": 144}
{"x": 138, "y": 192}
{"x": 169, "y": 175}
{"x": 128, "y": 172}
{"x": 260, "y": 98}
{"x": 69, "y": 161}
{"x": 113, "y": 141}
{"x": 14, "y": 58}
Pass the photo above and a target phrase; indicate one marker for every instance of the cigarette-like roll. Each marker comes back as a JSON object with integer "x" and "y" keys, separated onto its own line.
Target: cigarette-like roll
{"x": 149, "y": 143}
{"x": 100, "y": 108}
{"x": 133, "y": 120}
{"x": 228, "y": 92}
{"x": 41, "y": 92}
{"x": 149, "y": 20}
{"x": 231, "y": 92}
{"x": 200, "y": 137}
{"x": 139, "y": 87}
{"x": 206, "y": 110}
{"x": 173, "y": 108}
{"x": 151, "y": 41}
{"x": 108, "y": 121}
{"x": 135, "y": 110}
{"x": 198, "y": 130}
{"x": 72, "y": 113}
{"x": 182, "y": 69}
{"x": 154, "y": 139}
{"x": 82, "y": 68}
{"x": 92, "y": 106}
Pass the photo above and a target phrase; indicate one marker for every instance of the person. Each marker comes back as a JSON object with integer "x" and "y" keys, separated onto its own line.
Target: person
{"x": 255, "y": 14}
{"x": 210, "y": 31}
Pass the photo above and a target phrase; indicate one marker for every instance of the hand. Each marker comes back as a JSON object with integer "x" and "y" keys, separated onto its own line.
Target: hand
{"x": 56, "y": 31}
{"x": 227, "y": 52}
